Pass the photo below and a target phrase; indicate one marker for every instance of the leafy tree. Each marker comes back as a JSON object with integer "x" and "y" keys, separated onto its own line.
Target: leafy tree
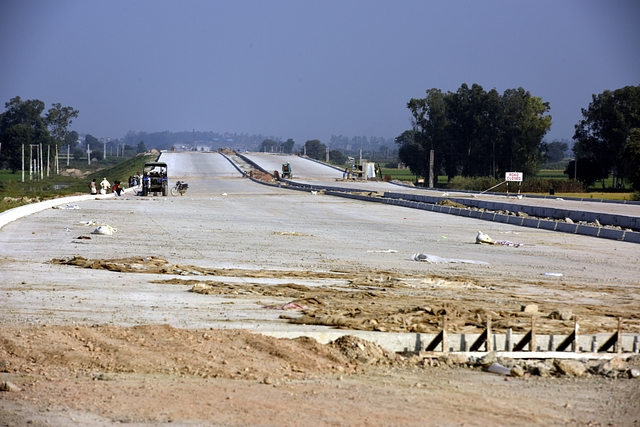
{"x": 91, "y": 141}
{"x": 14, "y": 139}
{"x": 632, "y": 155}
{"x": 606, "y": 126}
{"x": 78, "y": 153}
{"x": 21, "y": 124}
{"x": 141, "y": 147}
{"x": 337, "y": 157}
{"x": 554, "y": 151}
{"x": 412, "y": 153}
{"x": 97, "y": 154}
{"x": 59, "y": 119}
{"x": 587, "y": 169}
{"x": 465, "y": 130}
{"x": 316, "y": 149}
{"x": 476, "y": 133}
{"x": 268, "y": 146}
{"x": 72, "y": 139}
{"x": 430, "y": 120}
{"x": 524, "y": 128}
{"x": 288, "y": 145}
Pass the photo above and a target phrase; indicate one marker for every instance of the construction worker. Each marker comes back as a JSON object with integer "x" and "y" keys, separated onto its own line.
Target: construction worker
{"x": 104, "y": 186}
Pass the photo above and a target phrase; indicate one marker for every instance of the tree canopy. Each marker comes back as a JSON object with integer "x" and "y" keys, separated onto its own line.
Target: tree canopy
{"x": 316, "y": 149}
{"x": 475, "y": 133}
{"x": 554, "y": 151}
{"x": 601, "y": 137}
{"x": 23, "y": 123}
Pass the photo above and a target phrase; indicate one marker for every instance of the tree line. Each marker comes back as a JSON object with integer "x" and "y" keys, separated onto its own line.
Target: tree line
{"x": 475, "y": 133}
{"x": 607, "y": 139}
{"x": 24, "y": 123}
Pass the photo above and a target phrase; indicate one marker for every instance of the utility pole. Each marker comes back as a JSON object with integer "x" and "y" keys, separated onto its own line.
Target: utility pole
{"x": 431, "y": 155}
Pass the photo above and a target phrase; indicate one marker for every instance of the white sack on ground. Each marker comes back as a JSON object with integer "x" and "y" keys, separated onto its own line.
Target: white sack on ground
{"x": 106, "y": 230}
{"x": 433, "y": 259}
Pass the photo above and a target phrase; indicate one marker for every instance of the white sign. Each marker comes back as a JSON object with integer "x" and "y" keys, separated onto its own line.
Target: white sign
{"x": 513, "y": 176}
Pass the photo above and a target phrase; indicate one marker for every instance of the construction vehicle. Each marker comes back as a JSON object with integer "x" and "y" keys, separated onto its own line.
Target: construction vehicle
{"x": 154, "y": 179}
{"x": 286, "y": 171}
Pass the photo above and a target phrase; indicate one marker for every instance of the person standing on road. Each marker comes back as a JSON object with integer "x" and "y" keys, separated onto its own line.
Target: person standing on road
{"x": 116, "y": 188}
{"x": 93, "y": 187}
{"x": 104, "y": 186}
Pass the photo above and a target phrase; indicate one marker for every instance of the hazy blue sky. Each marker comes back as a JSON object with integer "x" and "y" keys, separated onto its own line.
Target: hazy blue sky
{"x": 306, "y": 69}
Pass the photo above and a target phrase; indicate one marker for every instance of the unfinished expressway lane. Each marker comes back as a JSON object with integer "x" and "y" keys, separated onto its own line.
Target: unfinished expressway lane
{"x": 160, "y": 308}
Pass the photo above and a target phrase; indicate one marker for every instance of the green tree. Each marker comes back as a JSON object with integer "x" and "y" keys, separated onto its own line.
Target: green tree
{"x": 606, "y": 126}
{"x": 337, "y": 158}
{"x": 465, "y": 112}
{"x": 412, "y": 153}
{"x": 72, "y": 139}
{"x": 476, "y": 133}
{"x": 141, "y": 147}
{"x": 58, "y": 120}
{"x": 15, "y": 138}
{"x": 632, "y": 155}
{"x": 97, "y": 154}
{"x": 430, "y": 119}
{"x": 288, "y": 145}
{"x": 91, "y": 141}
{"x": 525, "y": 126}
{"x": 316, "y": 149}
{"x": 20, "y": 125}
{"x": 554, "y": 151}
{"x": 269, "y": 146}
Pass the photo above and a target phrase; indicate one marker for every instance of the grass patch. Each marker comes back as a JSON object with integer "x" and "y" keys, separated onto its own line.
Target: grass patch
{"x": 596, "y": 195}
{"x": 407, "y": 176}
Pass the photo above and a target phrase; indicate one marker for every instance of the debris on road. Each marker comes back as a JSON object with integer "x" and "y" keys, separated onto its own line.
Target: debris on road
{"x": 482, "y": 238}
{"x": 66, "y": 207}
{"x": 433, "y": 259}
{"x": 288, "y": 306}
{"x": 105, "y": 230}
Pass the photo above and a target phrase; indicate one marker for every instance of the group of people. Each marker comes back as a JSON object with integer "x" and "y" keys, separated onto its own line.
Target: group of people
{"x": 104, "y": 186}
{"x": 117, "y": 187}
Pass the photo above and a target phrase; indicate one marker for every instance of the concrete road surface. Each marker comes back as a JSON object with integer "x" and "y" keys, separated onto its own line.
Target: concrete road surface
{"x": 226, "y": 221}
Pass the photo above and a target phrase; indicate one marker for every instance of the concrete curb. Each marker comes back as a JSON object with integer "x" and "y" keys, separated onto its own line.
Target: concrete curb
{"x": 529, "y": 196}
{"x": 584, "y": 230}
{"x": 537, "y": 211}
{"x": 21, "y": 211}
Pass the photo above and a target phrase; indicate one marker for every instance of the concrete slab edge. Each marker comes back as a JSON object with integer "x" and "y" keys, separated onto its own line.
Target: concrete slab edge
{"x": 623, "y": 221}
{"x": 417, "y": 342}
{"x": 21, "y": 211}
{"x": 530, "y": 196}
{"x": 584, "y": 230}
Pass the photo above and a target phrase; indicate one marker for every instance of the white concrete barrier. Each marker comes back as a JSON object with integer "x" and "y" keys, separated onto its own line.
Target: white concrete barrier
{"x": 21, "y": 211}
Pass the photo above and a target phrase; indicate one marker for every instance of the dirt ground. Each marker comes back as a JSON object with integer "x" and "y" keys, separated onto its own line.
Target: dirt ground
{"x": 159, "y": 323}
{"x": 156, "y": 375}
{"x": 382, "y": 300}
